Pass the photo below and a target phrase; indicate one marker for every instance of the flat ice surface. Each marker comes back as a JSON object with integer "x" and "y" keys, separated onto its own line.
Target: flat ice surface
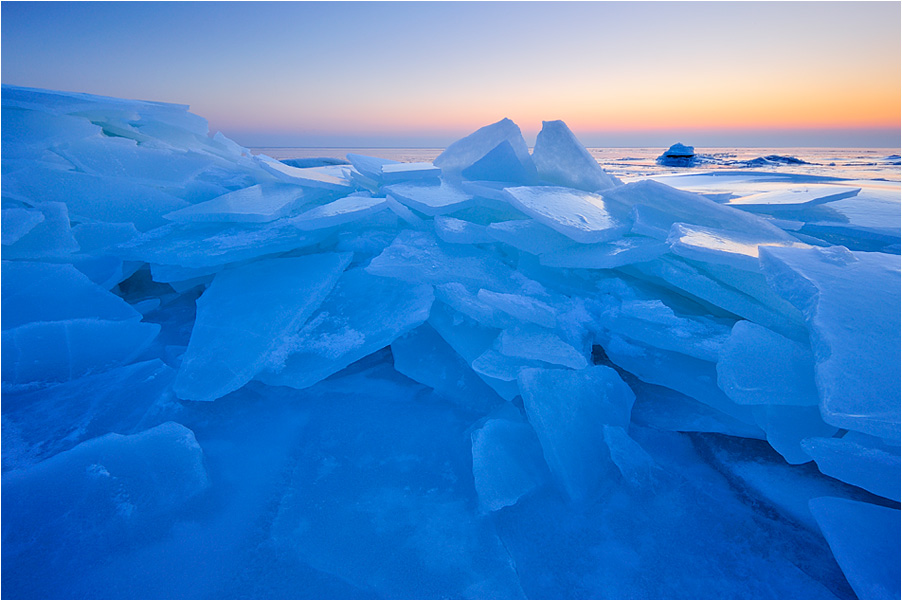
{"x": 273, "y": 297}
{"x": 854, "y": 335}
{"x": 581, "y": 216}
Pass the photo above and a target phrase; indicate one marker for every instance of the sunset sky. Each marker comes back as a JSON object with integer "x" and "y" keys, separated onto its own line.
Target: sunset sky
{"x": 425, "y": 74}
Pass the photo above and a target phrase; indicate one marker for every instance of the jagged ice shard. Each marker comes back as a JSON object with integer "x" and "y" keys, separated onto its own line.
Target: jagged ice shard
{"x": 501, "y": 374}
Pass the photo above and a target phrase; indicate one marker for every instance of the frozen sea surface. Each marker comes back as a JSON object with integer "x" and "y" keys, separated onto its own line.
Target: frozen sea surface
{"x": 482, "y": 372}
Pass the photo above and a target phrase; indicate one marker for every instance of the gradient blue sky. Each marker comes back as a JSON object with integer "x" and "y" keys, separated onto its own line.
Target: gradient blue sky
{"x": 424, "y": 74}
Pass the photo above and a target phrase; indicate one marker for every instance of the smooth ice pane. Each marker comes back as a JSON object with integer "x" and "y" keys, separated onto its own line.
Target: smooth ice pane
{"x": 501, "y": 164}
{"x": 531, "y": 342}
{"x": 851, "y": 302}
{"x": 361, "y": 315}
{"x": 865, "y": 541}
{"x": 507, "y": 462}
{"x": 58, "y": 351}
{"x": 568, "y": 410}
{"x": 606, "y": 255}
{"x": 870, "y": 467}
{"x": 260, "y": 203}
{"x": 581, "y": 216}
{"x": 244, "y": 316}
{"x": 339, "y": 212}
{"x": 561, "y": 160}
{"x": 431, "y": 199}
{"x": 467, "y": 151}
{"x": 55, "y": 292}
{"x": 760, "y": 367}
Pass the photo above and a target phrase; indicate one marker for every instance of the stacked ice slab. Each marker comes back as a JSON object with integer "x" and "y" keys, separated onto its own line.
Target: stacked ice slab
{"x": 557, "y": 305}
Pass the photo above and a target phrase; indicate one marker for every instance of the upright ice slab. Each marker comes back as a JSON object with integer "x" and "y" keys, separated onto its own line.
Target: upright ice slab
{"x": 561, "y": 160}
{"x": 854, "y": 335}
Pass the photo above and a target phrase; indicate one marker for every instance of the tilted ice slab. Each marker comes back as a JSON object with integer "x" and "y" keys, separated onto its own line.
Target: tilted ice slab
{"x": 733, "y": 249}
{"x": 760, "y": 367}
{"x": 340, "y": 212}
{"x": 568, "y": 410}
{"x": 59, "y": 351}
{"x": 54, "y": 292}
{"x": 541, "y": 344}
{"x": 561, "y": 160}
{"x": 510, "y": 162}
{"x": 310, "y": 177}
{"x": 458, "y": 231}
{"x": 792, "y": 197}
{"x": 50, "y": 237}
{"x": 273, "y": 298}
{"x": 874, "y": 468}
{"x": 686, "y": 207}
{"x": 17, "y": 222}
{"x": 507, "y": 462}
{"x": 259, "y": 203}
{"x": 581, "y": 216}
{"x": 851, "y": 302}
{"x": 786, "y": 426}
{"x": 864, "y": 539}
{"x": 361, "y": 315}
{"x": 370, "y": 167}
{"x": 606, "y": 255}
{"x": 431, "y": 199}
{"x": 529, "y": 235}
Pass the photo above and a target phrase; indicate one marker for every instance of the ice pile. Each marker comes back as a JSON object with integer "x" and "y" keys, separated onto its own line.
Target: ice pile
{"x": 504, "y": 373}
{"x": 678, "y": 155}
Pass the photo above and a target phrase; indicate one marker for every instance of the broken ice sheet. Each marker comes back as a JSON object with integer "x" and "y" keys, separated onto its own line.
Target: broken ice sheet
{"x": 607, "y": 255}
{"x": 361, "y": 315}
{"x": 339, "y": 212}
{"x": 259, "y": 203}
{"x": 243, "y": 316}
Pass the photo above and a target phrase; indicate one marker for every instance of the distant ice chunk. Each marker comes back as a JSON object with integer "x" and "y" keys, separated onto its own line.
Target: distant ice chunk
{"x": 507, "y": 462}
{"x": 431, "y": 199}
{"x": 59, "y": 351}
{"x": 678, "y": 155}
{"x": 568, "y": 410}
{"x": 872, "y": 468}
{"x": 760, "y": 367}
{"x": 468, "y": 151}
{"x": 854, "y": 335}
{"x": 561, "y": 160}
{"x": 244, "y": 315}
{"x": 864, "y": 539}
{"x": 260, "y": 203}
{"x": 361, "y": 315}
{"x": 581, "y": 216}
